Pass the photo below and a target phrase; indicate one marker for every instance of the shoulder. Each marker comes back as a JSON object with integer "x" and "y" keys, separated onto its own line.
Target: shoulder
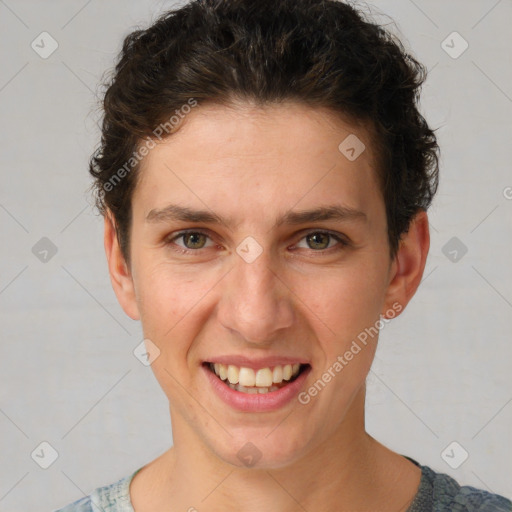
{"x": 109, "y": 498}
{"x": 447, "y": 495}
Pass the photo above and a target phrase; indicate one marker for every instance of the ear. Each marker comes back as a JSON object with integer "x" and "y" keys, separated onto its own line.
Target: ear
{"x": 407, "y": 268}
{"x": 120, "y": 274}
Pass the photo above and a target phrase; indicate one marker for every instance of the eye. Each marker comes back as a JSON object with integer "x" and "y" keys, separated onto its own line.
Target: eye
{"x": 322, "y": 240}
{"x": 192, "y": 240}
{"x": 318, "y": 241}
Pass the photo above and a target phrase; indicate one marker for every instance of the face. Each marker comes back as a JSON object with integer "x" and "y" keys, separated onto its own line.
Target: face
{"x": 258, "y": 249}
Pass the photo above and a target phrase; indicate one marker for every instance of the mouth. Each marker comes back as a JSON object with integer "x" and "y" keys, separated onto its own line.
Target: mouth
{"x": 247, "y": 380}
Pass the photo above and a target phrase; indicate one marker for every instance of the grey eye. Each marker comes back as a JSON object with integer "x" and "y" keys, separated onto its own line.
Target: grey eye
{"x": 318, "y": 240}
{"x": 194, "y": 240}
{"x": 321, "y": 240}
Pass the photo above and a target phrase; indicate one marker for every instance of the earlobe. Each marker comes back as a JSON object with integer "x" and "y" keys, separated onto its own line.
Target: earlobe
{"x": 407, "y": 269}
{"x": 120, "y": 274}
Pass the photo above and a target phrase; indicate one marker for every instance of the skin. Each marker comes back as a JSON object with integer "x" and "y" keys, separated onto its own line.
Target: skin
{"x": 251, "y": 165}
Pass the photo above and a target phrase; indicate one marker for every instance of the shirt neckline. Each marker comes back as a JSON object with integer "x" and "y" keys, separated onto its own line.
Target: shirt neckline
{"x": 422, "y": 497}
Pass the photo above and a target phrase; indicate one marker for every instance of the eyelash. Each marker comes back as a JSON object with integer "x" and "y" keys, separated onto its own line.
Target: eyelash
{"x": 170, "y": 241}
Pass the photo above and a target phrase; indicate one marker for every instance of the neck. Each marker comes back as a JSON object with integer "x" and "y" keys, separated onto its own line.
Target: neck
{"x": 348, "y": 470}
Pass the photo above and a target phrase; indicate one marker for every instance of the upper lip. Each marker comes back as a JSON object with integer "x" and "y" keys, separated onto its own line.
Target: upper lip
{"x": 256, "y": 363}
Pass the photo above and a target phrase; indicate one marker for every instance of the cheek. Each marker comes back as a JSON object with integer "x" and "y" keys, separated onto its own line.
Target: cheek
{"x": 165, "y": 295}
{"x": 170, "y": 304}
{"x": 346, "y": 300}
{"x": 173, "y": 304}
{"x": 346, "y": 311}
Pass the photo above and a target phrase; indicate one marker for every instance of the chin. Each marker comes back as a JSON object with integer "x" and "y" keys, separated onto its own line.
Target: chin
{"x": 260, "y": 448}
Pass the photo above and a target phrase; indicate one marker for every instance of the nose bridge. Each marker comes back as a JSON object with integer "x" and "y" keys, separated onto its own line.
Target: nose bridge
{"x": 255, "y": 302}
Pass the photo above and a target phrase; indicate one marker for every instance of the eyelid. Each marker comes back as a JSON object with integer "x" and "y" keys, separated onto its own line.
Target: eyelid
{"x": 174, "y": 236}
{"x": 342, "y": 240}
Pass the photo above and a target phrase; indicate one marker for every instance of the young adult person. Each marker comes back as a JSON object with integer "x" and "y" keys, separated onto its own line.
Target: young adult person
{"x": 264, "y": 174}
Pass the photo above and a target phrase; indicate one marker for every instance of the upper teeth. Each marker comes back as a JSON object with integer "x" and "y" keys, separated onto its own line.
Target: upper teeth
{"x": 264, "y": 377}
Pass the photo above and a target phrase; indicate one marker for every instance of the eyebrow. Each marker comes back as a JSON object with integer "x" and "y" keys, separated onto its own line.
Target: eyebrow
{"x": 175, "y": 213}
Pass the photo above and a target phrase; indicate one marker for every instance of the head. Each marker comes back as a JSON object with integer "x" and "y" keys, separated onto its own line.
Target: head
{"x": 293, "y": 126}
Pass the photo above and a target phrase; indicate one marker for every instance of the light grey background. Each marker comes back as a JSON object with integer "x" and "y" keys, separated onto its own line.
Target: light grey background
{"x": 69, "y": 376}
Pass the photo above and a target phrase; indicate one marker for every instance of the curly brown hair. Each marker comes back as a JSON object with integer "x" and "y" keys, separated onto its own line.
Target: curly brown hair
{"x": 321, "y": 53}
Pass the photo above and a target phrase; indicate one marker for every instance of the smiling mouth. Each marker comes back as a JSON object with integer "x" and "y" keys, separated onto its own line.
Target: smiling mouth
{"x": 263, "y": 380}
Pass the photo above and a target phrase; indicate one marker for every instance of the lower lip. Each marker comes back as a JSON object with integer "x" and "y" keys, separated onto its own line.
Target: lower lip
{"x": 261, "y": 402}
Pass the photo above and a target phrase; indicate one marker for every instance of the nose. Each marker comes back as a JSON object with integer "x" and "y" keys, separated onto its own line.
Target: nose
{"x": 256, "y": 303}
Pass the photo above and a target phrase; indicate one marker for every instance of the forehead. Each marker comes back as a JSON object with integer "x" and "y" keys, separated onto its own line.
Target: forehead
{"x": 241, "y": 155}
{"x": 259, "y": 131}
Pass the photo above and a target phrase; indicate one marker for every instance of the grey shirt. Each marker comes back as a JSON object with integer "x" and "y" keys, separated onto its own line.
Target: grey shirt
{"x": 441, "y": 493}
{"x": 437, "y": 492}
